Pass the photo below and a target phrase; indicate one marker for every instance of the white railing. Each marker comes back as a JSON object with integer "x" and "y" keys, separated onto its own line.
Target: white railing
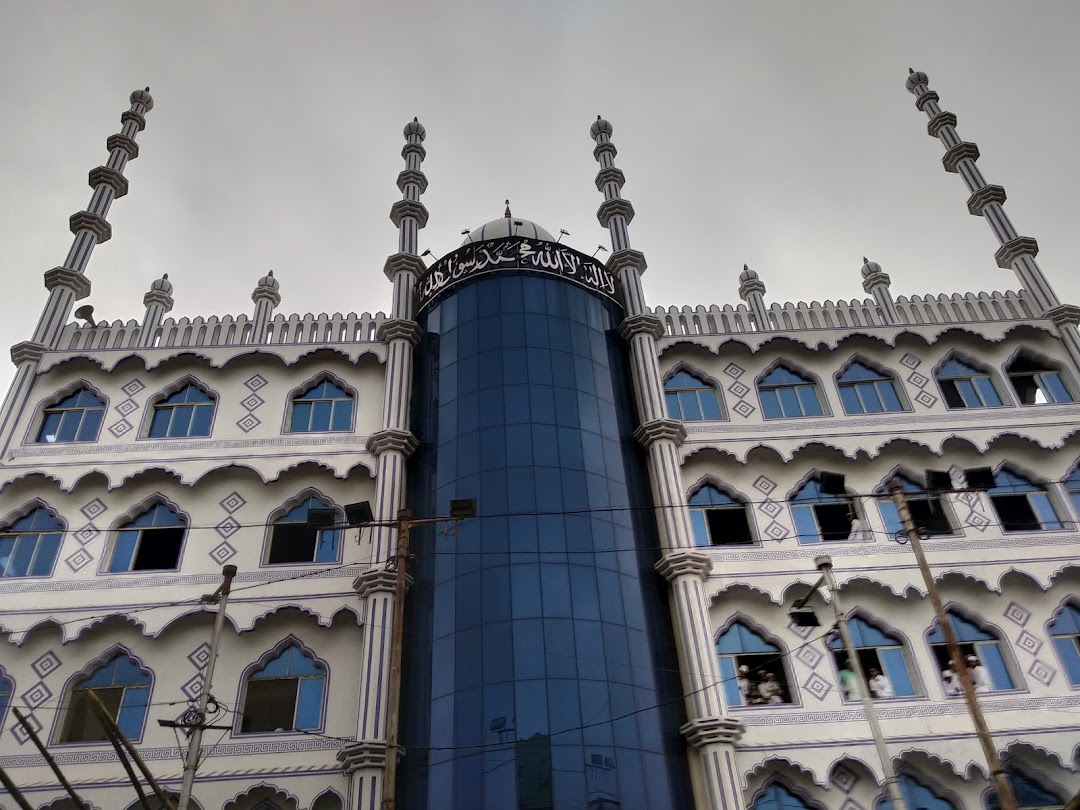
{"x": 226, "y": 330}
{"x": 918, "y": 309}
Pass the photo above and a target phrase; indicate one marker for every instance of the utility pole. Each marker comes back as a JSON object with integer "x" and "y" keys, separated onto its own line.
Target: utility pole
{"x": 993, "y": 761}
{"x": 191, "y": 765}
{"x": 892, "y": 783}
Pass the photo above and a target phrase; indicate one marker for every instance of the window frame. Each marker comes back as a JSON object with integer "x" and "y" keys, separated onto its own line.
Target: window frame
{"x": 916, "y": 494}
{"x": 1040, "y": 782}
{"x": 901, "y": 644}
{"x": 780, "y": 653}
{"x": 998, "y": 639}
{"x": 982, "y": 372}
{"x": 122, "y": 524}
{"x": 1047, "y": 367}
{"x": 1071, "y": 484}
{"x": 7, "y": 694}
{"x": 311, "y": 384}
{"x": 21, "y": 514}
{"x": 267, "y": 658}
{"x": 884, "y": 801}
{"x": 811, "y": 381}
{"x": 63, "y": 719}
{"x": 48, "y": 404}
{"x": 1036, "y": 489}
{"x": 277, "y": 516}
{"x": 850, "y": 502}
{"x": 704, "y": 385}
{"x": 703, "y": 523}
{"x": 773, "y": 783}
{"x": 885, "y": 377}
{"x": 159, "y": 403}
{"x": 1060, "y": 641}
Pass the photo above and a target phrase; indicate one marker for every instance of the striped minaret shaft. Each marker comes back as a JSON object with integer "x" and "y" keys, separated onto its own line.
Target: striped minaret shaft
{"x": 986, "y": 200}
{"x": 709, "y": 733}
{"x": 391, "y": 446}
{"x": 266, "y": 296}
{"x": 158, "y": 301}
{"x": 68, "y": 283}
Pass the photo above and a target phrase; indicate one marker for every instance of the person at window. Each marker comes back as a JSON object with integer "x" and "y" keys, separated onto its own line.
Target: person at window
{"x": 743, "y": 682}
{"x": 849, "y": 684}
{"x": 859, "y": 531}
{"x": 879, "y": 684}
{"x": 951, "y": 681}
{"x": 769, "y": 689}
{"x": 979, "y": 676}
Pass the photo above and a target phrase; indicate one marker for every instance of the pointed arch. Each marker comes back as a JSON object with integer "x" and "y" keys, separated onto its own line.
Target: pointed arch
{"x": 754, "y": 667}
{"x": 786, "y": 390}
{"x": 1037, "y": 379}
{"x": 980, "y": 640}
{"x": 968, "y": 383}
{"x": 125, "y": 687}
{"x": 867, "y": 387}
{"x": 821, "y": 518}
{"x": 779, "y": 794}
{"x": 1032, "y": 789}
{"x": 291, "y": 685}
{"x": 290, "y": 540}
{"x": 931, "y": 512}
{"x": 885, "y": 655}
{"x": 30, "y": 539}
{"x": 329, "y": 799}
{"x": 1063, "y": 630}
{"x": 920, "y": 792}
{"x": 1023, "y": 501}
{"x": 150, "y": 536}
{"x": 690, "y": 395}
{"x": 177, "y": 411}
{"x": 324, "y": 403}
{"x": 73, "y": 414}
{"x": 719, "y": 515}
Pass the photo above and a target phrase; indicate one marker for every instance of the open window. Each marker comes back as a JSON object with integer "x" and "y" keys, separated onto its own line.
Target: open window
{"x": 691, "y": 399}
{"x": 866, "y": 390}
{"x": 1035, "y": 382}
{"x": 286, "y": 694}
{"x": 122, "y": 686}
{"x": 151, "y": 541}
{"x": 928, "y": 510}
{"x": 884, "y": 659}
{"x": 1022, "y": 505}
{"x": 718, "y": 519}
{"x": 28, "y": 547}
{"x": 1065, "y": 634}
{"x": 7, "y": 687}
{"x": 786, "y": 394}
{"x": 1072, "y": 486}
{"x": 777, "y": 797}
{"x": 75, "y": 418}
{"x": 964, "y": 386}
{"x": 293, "y": 540}
{"x": 1030, "y": 794}
{"x": 988, "y": 652}
{"x": 822, "y": 518}
{"x": 752, "y": 669}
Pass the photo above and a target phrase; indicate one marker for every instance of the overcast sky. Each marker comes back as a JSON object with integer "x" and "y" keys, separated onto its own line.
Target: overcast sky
{"x": 773, "y": 133}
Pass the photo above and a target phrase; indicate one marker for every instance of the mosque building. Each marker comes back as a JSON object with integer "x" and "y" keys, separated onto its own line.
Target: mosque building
{"x": 654, "y": 489}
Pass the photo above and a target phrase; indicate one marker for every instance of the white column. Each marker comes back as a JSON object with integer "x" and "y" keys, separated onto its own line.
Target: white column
{"x": 266, "y": 297}
{"x": 876, "y": 283}
{"x": 710, "y": 735}
{"x": 157, "y": 301}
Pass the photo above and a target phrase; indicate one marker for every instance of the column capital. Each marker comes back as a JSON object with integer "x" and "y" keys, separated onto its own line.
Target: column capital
{"x": 659, "y": 429}
{"x": 412, "y": 176}
{"x": 939, "y": 122}
{"x": 926, "y": 98}
{"x": 413, "y": 149}
{"x": 684, "y": 563}
{"x": 362, "y": 754}
{"x": 391, "y": 440}
{"x": 616, "y": 207}
{"x": 27, "y": 351}
{"x": 628, "y": 259}
{"x": 873, "y": 279}
{"x": 397, "y": 328}
{"x": 1014, "y": 249}
{"x": 641, "y": 325}
{"x": 408, "y": 208}
{"x": 103, "y": 175}
{"x": 751, "y": 286}
{"x": 965, "y": 150}
{"x": 158, "y": 297}
{"x": 66, "y": 277}
{"x": 403, "y": 262}
{"x": 1064, "y": 315}
{"x": 125, "y": 143}
{"x": 130, "y": 116}
{"x": 97, "y": 225}
{"x": 712, "y": 730}
{"x": 609, "y": 175}
{"x": 377, "y": 580}
{"x": 983, "y": 197}
{"x": 601, "y": 148}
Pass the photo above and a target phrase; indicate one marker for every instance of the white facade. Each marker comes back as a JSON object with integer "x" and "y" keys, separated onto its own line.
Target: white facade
{"x": 229, "y": 487}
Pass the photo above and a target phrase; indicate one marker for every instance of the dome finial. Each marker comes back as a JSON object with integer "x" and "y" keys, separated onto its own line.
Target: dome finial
{"x": 910, "y": 71}
{"x": 507, "y": 213}
{"x": 865, "y": 260}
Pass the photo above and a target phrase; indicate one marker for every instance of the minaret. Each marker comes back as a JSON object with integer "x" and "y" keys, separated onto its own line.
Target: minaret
{"x": 708, "y": 731}
{"x": 364, "y": 760}
{"x": 266, "y": 296}
{"x": 157, "y": 301}
{"x": 67, "y": 283}
{"x": 1017, "y": 252}
{"x": 876, "y": 282}
{"x": 752, "y": 291}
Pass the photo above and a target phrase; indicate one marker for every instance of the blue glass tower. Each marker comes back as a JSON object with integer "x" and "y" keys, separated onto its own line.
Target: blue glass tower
{"x": 540, "y": 670}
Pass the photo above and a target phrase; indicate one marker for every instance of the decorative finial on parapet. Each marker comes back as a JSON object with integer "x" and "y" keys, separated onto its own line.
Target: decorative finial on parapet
{"x": 914, "y": 79}
{"x": 507, "y": 213}
{"x": 414, "y": 127}
{"x": 158, "y": 301}
{"x": 600, "y": 126}
{"x": 876, "y": 282}
{"x": 162, "y": 285}
{"x": 268, "y": 283}
{"x": 752, "y": 291}
{"x": 747, "y": 274}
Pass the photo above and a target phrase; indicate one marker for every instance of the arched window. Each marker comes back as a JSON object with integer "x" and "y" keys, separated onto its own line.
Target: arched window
{"x": 864, "y": 390}
{"x": 7, "y": 687}
{"x": 965, "y": 386}
{"x": 1021, "y": 505}
{"x": 785, "y": 394}
{"x": 75, "y": 418}
{"x": 884, "y": 659}
{"x": 28, "y": 547}
{"x": 1072, "y": 486}
{"x": 927, "y": 510}
{"x": 322, "y": 407}
{"x": 823, "y": 518}
{"x": 1030, "y": 795}
{"x": 150, "y": 541}
{"x": 778, "y": 797}
{"x": 122, "y": 686}
{"x": 752, "y": 669}
{"x": 974, "y": 641}
{"x": 691, "y": 399}
{"x": 293, "y": 540}
{"x": 718, "y": 519}
{"x": 285, "y": 695}
{"x": 918, "y": 797}
{"x": 188, "y": 412}
{"x": 1065, "y": 633}
{"x": 1036, "y": 383}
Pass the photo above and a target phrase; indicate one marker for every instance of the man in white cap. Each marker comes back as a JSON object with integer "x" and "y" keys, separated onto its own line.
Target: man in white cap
{"x": 979, "y": 676}
{"x": 743, "y": 682}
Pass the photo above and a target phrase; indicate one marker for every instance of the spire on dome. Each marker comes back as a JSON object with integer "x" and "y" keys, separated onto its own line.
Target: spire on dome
{"x": 507, "y": 213}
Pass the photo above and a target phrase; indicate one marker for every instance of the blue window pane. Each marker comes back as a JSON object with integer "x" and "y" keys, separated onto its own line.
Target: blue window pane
{"x": 857, "y": 372}
{"x": 728, "y": 676}
{"x": 327, "y": 546}
{"x": 49, "y": 427}
{"x": 133, "y": 711}
{"x": 18, "y": 564}
{"x": 968, "y": 394}
{"x": 123, "y": 551}
{"x": 673, "y": 408}
{"x": 309, "y": 703}
{"x": 200, "y": 424}
{"x": 870, "y": 398}
{"x": 896, "y": 670}
{"x": 1044, "y": 510}
{"x": 320, "y": 416}
{"x": 806, "y": 525}
{"x": 891, "y": 515}
{"x": 789, "y": 401}
{"x": 1068, "y": 649}
{"x": 770, "y": 404}
{"x": 710, "y": 405}
{"x": 778, "y": 797}
{"x": 1067, "y": 622}
{"x": 159, "y": 425}
{"x": 91, "y": 422}
{"x": 690, "y": 409}
{"x": 1055, "y": 387}
{"x": 992, "y": 658}
{"x": 180, "y": 421}
{"x": 47, "y": 548}
{"x": 783, "y": 376}
{"x": 889, "y": 397}
{"x": 808, "y": 399}
{"x": 850, "y": 399}
{"x": 701, "y": 530}
{"x": 301, "y": 417}
{"x": 69, "y": 426}
{"x": 955, "y": 368}
{"x": 987, "y": 391}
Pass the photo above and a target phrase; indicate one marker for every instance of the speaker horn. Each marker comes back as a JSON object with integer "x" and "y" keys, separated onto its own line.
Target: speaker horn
{"x": 86, "y": 313}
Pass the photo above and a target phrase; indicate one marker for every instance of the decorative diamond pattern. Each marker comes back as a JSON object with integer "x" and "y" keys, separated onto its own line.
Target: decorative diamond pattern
{"x": 844, "y": 778}
{"x": 743, "y": 408}
{"x": 739, "y": 389}
{"x": 193, "y": 688}
{"x": 770, "y": 507}
{"x": 817, "y": 686}
{"x": 94, "y": 509}
{"x": 255, "y": 383}
{"x": 47, "y": 664}
{"x": 734, "y": 370}
{"x": 910, "y": 361}
{"x": 249, "y": 423}
{"x": 79, "y": 560}
{"x": 222, "y": 552}
{"x": 978, "y": 522}
{"x": 764, "y": 485}
{"x": 200, "y": 656}
{"x": 1017, "y": 614}
{"x": 851, "y": 804}
{"x": 127, "y": 407}
{"x": 1028, "y": 643}
{"x": 776, "y": 531}
{"x": 252, "y": 402}
{"x": 917, "y": 379}
{"x": 926, "y": 399}
{"x": 87, "y": 533}
{"x": 232, "y": 502}
{"x": 133, "y": 387}
{"x": 809, "y": 656}
{"x": 1043, "y": 673}
{"x": 971, "y": 499}
{"x": 20, "y": 734}
{"x": 36, "y": 695}
{"x": 228, "y": 527}
{"x": 801, "y": 632}
{"x": 121, "y": 428}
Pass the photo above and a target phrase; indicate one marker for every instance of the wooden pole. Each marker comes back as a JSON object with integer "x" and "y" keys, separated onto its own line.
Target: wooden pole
{"x": 16, "y": 794}
{"x": 127, "y": 768}
{"x": 49, "y": 759}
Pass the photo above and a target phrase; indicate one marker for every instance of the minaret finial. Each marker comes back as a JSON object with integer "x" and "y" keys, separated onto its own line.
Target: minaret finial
{"x": 865, "y": 260}
{"x": 507, "y": 213}
{"x": 910, "y": 71}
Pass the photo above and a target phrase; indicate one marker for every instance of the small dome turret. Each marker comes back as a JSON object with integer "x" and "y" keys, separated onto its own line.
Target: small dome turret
{"x": 162, "y": 285}
{"x": 143, "y": 97}
{"x": 747, "y": 275}
{"x": 600, "y": 125}
{"x": 269, "y": 281}
{"x": 915, "y": 78}
{"x": 870, "y": 267}
{"x": 414, "y": 127}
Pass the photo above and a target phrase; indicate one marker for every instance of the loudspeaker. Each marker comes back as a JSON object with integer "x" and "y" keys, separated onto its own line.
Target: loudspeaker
{"x": 832, "y": 483}
{"x": 938, "y": 481}
{"x": 979, "y": 478}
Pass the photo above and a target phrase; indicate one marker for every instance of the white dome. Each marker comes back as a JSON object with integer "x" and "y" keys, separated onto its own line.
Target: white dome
{"x": 508, "y": 226}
